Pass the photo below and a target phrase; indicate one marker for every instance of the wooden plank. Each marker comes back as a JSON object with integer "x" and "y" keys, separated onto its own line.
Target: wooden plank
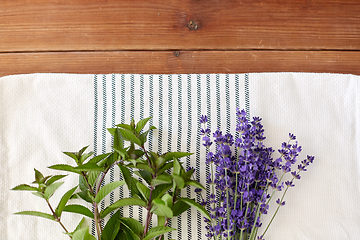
{"x": 165, "y": 62}
{"x": 101, "y": 25}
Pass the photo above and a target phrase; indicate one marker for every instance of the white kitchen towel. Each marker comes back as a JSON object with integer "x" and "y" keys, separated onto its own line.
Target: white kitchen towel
{"x": 42, "y": 115}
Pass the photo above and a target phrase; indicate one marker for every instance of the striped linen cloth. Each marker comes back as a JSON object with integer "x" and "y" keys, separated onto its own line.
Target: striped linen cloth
{"x": 45, "y": 114}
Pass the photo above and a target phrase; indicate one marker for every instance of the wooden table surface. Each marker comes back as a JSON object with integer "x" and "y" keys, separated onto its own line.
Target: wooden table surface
{"x": 184, "y": 36}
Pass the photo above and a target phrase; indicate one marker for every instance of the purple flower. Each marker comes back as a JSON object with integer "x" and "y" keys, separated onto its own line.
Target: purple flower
{"x": 203, "y": 119}
{"x": 244, "y": 176}
{"x": 207, "y": 143}
{"x": 280, "y": 187}
{"x": 310, "y": 158}
{"x": 280, "y": 203}
{"x": 205, "y": 131}
{"x": 292, "y": 136}
{"x": 295, "y": 175}
{"x": 301, "y": 168}
{"x": 241, "y": 113}
{"x": 289, "y": 184}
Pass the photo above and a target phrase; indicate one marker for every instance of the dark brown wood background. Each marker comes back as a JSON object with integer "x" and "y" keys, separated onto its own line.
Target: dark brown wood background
{"x": 183, "y": 36}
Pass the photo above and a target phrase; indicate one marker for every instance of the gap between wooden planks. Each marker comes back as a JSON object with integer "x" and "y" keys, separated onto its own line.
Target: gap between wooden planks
{"x": 182, "y": 62}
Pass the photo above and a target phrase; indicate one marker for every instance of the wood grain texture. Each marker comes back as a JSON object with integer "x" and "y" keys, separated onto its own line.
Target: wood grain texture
{"x": 164, "y": 62}
{"x": 138, "y": 36}
{"x": 98, "y": 25}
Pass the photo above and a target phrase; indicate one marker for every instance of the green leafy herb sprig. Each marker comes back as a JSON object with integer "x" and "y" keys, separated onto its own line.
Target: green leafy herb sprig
{"x": 163, "y": 179}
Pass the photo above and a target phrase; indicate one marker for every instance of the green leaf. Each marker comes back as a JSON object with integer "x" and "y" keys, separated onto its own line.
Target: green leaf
{"x": 168, "y": 199}
{"x": 157, "y": 231}
{"x": 159, "y": 162}
{"x": 39, "y": 194}
{"x": 170, "y": 155}
{"x": 145, "y": 175}
{"x": 121, "y": 151}
{"x": 89, "y": 167}
{"x": 195, "y": 184}
{"x": 145, "y": 167}
{"x": 39, "y": 178}
{"x": 54, "y": 179}
{"x": 112, "y": 131}
{"x": 82, "y": 183}
{"x": 130, "y": 181}
{"x": 179, "y": 181}
{"x": 92, "y": 177}
{"x": 37, "y": 214}
{"x": 160, "y": 208}
{"x": 86, "y": 195}
{"x": 75, "y": 208}
{"x": 85, "y": 156}
{"x": 65, "y": 198}
{"x": 177, "y": 167}
{"x": 49, "y": 190}
{"x": 180, "y": 207}
{"x": 187, "y": 175}
{"x": 65, "y": 167}
{"x": 105, "y": 190}
{"x": 121, "y": 235}
{"x": 98, "y": 158}
{"x": 81, "y": 224}
{"x": 132, "y": 124}
{"x": 138, "y": 153}
{"x": 25, "y": 187}
{"x": 127, "y": 175}
{"x": 143, "y": 136}
{"x": 196, "y": 205}
{"x": 118, "y": 139}
{"x": 81, "y": 151}
{"x": 80, "y": 234}
{"x": 165, "y": 167}
{"x": 134, "y": 161}
{"x": 145, "y": 192}
{"x": 90, "y": 237}
{"x": 73, "y": 156}
{"x": 161, "y": 189}
{"x": 111, "y": 228}
{"x": 83, "y": 234}
{"x": 130, "y": 136}
{"x": 131, "y": 152}
{"x": 121, "y": 203}
{"x": 134, "y": 225}
{"x": 161, "y": 179}
{"x": 124, "y": 126}
{"x": 141, "y": 124}
{"x": 130, "y": 235}
{"x": 111, "y": 159}
{"x": 161, "y": 220}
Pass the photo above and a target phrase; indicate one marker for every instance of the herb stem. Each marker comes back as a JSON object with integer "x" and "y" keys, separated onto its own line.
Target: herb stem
{"x": 278, "y": 183}
{"x": 149, "y": 213}
{"x": 227, "y": 204}
{"x": 97, "y": 220}
{"x": 277, "y": 209}
{"x": 147, "y": 156}
{"x": 56, "y": 217}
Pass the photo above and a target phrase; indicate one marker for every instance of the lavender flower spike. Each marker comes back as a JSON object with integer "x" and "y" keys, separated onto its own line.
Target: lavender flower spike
{"x": 244, "y": 177}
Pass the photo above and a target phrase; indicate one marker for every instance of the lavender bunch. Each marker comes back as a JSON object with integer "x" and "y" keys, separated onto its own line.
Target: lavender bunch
{"x": 244, "y": 178}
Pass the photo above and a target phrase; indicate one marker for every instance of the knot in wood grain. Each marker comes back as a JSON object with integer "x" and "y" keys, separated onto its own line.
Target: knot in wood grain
{"x": 192, "y": 25}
